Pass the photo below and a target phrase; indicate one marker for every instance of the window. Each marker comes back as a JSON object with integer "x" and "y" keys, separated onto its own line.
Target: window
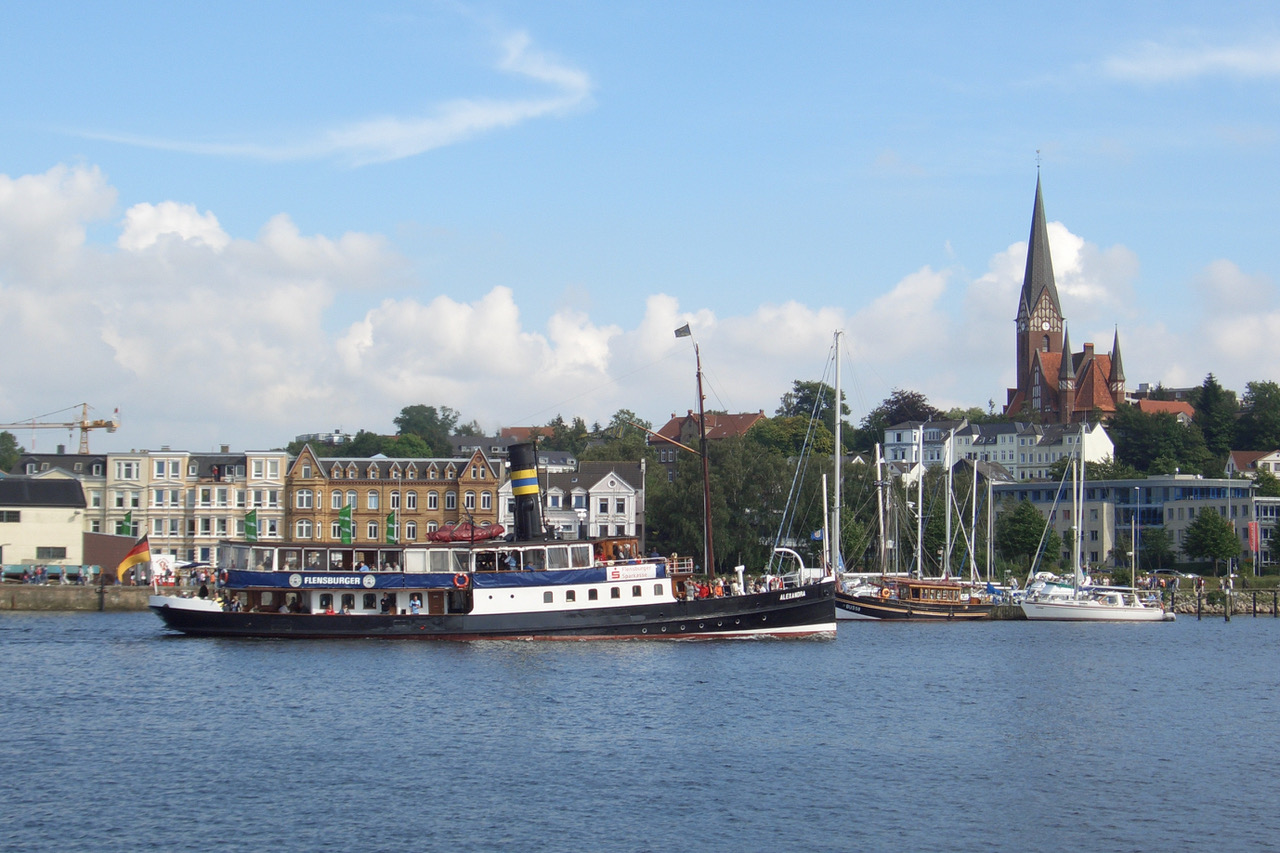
{"x": 580, "y": 501}
{"x": 335, "y": 531}
{"x": 395, "y": 500}
{"x": 486, "y": 500}
{"x": 372, "y": 500}
{"x": 615, "y": 592}
{"x": 604, "y": 506}
{"x": 48, "y": 553}
{"x": 433, "y": 500}
{"x": 570, "y": 595}
{"x": 335, "y": 500}
{"x": 305, "y": 471}
{"x": 95, "y": 498}
{"x": 160, "y": 468}
{"x": 546, "y": 597}
{"x": 302, "y": 530}
{"x": 97, "y": 469}
{"x": 469, "y": 500}
{"x": 126, "y": 470}
{"x": 450, "y": 500}
{"x": 635, "y": 591}
{"x": 657, "y": 589}
{"x": 593, "y": 595}
{"x": 302, "y": 500}
{"x": 370, "y": 601}
{"x": 620, "y": 506}
{"x": 371, "y": 531}
{"x": 411, "y": 500}
{"x": 258, "y": 468}
{"x": 411, "y": 531}
{"x": 351, "y": 499}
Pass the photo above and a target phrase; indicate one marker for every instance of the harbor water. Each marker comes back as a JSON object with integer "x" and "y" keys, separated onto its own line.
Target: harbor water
{"x": 1001, "y": 736}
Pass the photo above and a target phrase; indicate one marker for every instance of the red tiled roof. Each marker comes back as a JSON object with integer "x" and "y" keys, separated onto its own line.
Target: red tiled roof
{"x": 1173, "y": 407}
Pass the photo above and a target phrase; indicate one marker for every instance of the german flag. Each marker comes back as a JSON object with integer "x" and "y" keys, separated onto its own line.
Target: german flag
{"x": 139, "y": 553}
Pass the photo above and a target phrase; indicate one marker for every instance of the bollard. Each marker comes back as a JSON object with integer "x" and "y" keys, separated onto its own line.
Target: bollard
{"x": 1255, "y": 604}
{"x": 1199, "y": 604}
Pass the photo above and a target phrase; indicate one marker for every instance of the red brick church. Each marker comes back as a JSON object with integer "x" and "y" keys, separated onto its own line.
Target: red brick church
{"x": 1055, "y": 384}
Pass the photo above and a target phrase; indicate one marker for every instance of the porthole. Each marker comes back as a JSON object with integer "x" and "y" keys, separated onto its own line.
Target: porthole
{"x": 701, "y": 625}
{"x": 682, "y": 628}
{"x": 664, "y": 629}
{"x": 644, "y": 630}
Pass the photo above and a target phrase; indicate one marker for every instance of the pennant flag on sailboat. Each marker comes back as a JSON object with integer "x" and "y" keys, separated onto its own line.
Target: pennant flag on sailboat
{"x": 683, "y": 331}
{"x": 139, "y": 553}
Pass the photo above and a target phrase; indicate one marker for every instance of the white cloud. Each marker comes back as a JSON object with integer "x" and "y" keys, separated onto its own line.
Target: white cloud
{"x": 144, "y": 224}
{"x": 386, "y": 138}
{"x": 254, "y": 342}
{"x": 1154, "y": 62}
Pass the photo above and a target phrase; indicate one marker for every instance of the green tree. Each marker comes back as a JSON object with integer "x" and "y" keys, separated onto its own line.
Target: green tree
{"x": 1152, "y": 442}
{"x": 1156, "y": 549}
{"x": 623, "y": 440}
{"x": 1211, "y": 537}
{"x": 434, "y": 426}
{"x": 1259, "y": 426}
{"x": 899, "y": 407}
{"x": 1019, "y": 532}
{"x": 10, "y": 452}
{"x": 1267, "y": 485}
{"x": 787, "y": 435}
{"x": 1216, "y": 417}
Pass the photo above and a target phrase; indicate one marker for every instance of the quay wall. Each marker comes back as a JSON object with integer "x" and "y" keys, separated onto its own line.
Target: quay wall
{"x": 56, "y": 597}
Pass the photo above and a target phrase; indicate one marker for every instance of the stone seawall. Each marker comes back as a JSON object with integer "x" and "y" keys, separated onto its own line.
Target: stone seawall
{"x": 56, "y": 597}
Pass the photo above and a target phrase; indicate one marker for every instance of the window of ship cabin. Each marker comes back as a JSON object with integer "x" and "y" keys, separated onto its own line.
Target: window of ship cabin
{"x": 593, "y": 595}
{"x": 614, "y": 592}
{"x": 558, "y": 557}
{"x": 348, "y": 601}
{"x": 636, "y": 592}
{"x": 580, "y": 556}
{"x": 535, "y": 559}
{"x": 268, "y": 599}
{"x": 546, "y": 597}
{"x": 370, "y": 601}
{"x": 326, "y": 600}
{"x": 570, "y": 595}
{"x": 657, "y": 589}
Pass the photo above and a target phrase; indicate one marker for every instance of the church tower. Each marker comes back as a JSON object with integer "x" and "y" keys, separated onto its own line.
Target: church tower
{"x": 1040, "y": 324}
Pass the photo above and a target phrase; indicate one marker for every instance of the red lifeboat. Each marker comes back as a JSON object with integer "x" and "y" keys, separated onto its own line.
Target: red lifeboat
{"x": 465, "y": 531}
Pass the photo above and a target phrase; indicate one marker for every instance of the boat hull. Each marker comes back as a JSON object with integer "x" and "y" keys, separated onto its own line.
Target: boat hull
{"x": 798, "y": 612}
{"x": 876, "y": 608}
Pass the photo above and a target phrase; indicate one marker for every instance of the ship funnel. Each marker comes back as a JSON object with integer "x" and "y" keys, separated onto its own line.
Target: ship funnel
{"x": 524, "y": 486}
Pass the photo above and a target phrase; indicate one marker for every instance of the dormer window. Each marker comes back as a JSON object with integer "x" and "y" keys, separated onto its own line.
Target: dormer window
{"x": 337, "y": 472}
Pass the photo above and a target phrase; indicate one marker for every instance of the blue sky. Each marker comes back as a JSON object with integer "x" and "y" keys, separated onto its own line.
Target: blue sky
{"x": 239, "y": 222}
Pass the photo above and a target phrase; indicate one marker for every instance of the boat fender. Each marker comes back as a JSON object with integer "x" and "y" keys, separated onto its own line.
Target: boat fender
{"x": 884, "y": 592}
{"x": 460, "y": 581}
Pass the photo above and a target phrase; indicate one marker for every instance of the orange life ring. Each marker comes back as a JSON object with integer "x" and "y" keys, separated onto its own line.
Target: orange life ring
{"x": 461, "y": 581}
{"x": 884, "y": 592}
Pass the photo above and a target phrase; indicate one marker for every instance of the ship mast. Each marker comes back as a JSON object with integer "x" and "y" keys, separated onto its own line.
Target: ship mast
{"x": 708, "y": 549}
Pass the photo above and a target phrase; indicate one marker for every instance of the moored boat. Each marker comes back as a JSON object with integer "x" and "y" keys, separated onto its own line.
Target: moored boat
{"x": 529, "y": 587}
{"x": 913, "y": 598}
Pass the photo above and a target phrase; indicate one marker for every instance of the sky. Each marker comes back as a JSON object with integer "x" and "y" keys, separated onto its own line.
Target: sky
{"x": 241, "y": 222}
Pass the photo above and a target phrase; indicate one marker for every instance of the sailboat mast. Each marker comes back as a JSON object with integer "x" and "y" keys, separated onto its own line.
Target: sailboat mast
{"x": 946, "y": 557}
{"x": 880, "y": 484}
{"x": 920, "y": 504}
{"x": 836, "y": 562}
{"x": 708, "y": 550}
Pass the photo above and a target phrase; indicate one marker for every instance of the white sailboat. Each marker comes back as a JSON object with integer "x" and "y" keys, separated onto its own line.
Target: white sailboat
{"x": 1082, "y": 602}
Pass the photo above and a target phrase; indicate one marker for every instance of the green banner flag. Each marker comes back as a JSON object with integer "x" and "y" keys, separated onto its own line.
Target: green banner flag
{"x": 251, "y": 526}
{"x": 392, "y": 533}
{"x": 125, "y": 528}
{"x": 345, "y": 524}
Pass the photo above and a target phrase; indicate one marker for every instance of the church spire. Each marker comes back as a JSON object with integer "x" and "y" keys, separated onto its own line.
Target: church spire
{"x": 1066, "y": 371}
{"x": 1038, "y": 279}
{"x": 1117, "y": 370}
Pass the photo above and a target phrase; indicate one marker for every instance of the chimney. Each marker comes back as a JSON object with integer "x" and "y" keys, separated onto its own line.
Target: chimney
{"x": 226, "y": 448}
{"x": 1088, "y": 352}
{"x": 62, "y": 450}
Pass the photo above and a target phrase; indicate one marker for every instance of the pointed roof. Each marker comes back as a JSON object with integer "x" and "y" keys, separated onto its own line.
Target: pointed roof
{"x": 1039, "y": 275}
{"x": 1064, "y": 372}
{"x": 1117, "y": 369}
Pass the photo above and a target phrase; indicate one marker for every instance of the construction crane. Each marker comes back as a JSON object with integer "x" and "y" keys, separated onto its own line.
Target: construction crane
{"x": 84, "y": 424}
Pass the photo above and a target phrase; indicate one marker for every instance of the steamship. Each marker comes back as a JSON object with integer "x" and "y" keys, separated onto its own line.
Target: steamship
{"x": 523, "y": 586}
